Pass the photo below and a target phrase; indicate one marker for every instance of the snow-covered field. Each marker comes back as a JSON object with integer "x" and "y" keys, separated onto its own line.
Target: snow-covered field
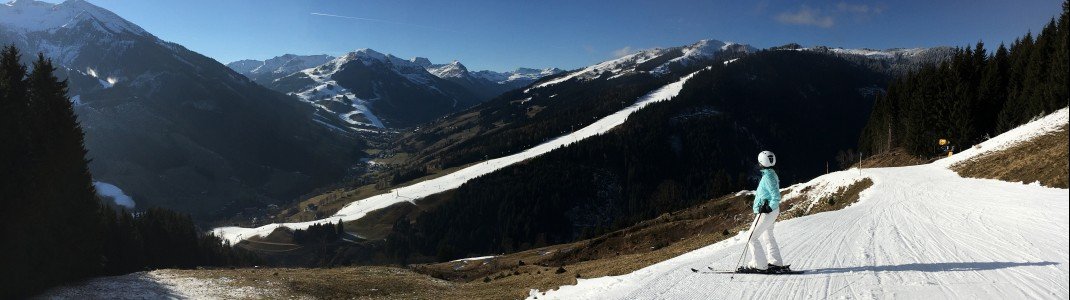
{"x": 159, "y": 284}
{"x": 918, "y": 232}
{"x": 358, "y": 209}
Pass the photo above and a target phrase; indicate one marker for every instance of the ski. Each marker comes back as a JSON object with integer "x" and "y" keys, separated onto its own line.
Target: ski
{"x": 715, "y": 271}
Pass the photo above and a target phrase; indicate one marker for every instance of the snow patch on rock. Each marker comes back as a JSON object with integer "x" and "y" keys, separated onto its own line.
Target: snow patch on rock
{"x": 110, "y": 191}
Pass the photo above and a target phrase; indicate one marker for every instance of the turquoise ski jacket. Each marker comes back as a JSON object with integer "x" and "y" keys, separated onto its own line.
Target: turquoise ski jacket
{"x": 768, "y": 191}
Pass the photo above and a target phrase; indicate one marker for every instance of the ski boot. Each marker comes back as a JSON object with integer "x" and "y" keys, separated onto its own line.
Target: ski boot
{"x": 775, "y": 269}
{"x": 750, "y": 270}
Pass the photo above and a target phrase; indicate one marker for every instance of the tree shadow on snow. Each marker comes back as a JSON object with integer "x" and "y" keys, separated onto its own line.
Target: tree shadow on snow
{"x": 137, "y": 285}
{"x": 933, "y": 267}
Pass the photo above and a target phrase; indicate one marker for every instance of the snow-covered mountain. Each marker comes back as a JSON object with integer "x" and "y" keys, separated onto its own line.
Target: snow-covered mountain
{"x": 522, "y": 76}
{"x": 169, "y": 126}
{"x": 669, "y": 63}
{"x": 311, "y": 77}
{"x": 30, "y": 16}
{"x": 657, "y": 61}
{"x": 894, "y": 60}
{"x": 359, "y": 209}
{"x": 457, "y": 73}
{"x": 366, "y": 89}
{"x": 486, "y": 83}
{"x": 451, "y": 70}
{"x": 715, "y": 100}
{"x": 264, "y": 71}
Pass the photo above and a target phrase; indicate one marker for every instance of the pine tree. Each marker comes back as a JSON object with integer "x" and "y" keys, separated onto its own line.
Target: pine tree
{"x": 54, "y": 227}
{"x": 993, "y": 91}
{"x": 1016, "y": 107}
{"x": 973, "y": 95}
{"x": 1060, "y": 60}
{"x": 62, "y": 171}
{"x": 14, "y": 178}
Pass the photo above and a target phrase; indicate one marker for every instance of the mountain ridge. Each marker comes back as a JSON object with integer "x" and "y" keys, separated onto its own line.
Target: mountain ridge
{"x": 172, "y": 127}
{"x": 425, "y": 89}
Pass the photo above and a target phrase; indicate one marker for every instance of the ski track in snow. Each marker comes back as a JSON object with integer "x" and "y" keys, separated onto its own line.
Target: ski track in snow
{"x": 358, "y": 209}
{"x": 918, "y": 232}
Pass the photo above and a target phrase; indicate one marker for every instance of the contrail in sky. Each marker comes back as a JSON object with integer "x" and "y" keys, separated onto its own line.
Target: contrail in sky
{"x": 382, "y": 21}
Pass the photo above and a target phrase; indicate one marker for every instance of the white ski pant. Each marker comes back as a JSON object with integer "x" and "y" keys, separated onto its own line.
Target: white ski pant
{"x": 762, "y": 233}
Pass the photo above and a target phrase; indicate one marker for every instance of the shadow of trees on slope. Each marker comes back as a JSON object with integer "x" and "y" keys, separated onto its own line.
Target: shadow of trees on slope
{"x": 138, "y": 285}
{"x": 932, "y": 267}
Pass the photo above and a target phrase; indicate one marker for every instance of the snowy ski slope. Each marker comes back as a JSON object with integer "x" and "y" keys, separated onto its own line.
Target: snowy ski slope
{"x": 918, "y": 232}
{"x": 358, "y": 209}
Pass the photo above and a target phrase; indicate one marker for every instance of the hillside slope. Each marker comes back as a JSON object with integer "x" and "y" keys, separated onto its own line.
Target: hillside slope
{"x": 357, "y": 210}
{"x": 171, "y": 127}
{"x": 1028, "y": 259}
{"x": 919, "y": 231}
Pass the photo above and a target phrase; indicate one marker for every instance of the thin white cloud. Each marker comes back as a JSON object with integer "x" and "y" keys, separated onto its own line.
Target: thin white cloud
{"x": 862, "y": 9}
{"x": 806, "y": 16}
{"x": 622, "y": 51}
{"x": 761, "y": 6}
{"x": 382, "y": 21}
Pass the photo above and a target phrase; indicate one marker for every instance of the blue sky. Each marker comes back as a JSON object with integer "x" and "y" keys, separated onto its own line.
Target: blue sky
{"x": 502, "y": 35}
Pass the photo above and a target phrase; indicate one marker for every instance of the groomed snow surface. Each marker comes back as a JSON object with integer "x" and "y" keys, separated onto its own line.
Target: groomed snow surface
{"x": 920, "y": 232}
{"x": 358, "y": 209}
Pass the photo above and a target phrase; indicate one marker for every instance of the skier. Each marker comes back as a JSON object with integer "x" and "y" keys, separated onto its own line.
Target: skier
{"x": 767, "y": 208}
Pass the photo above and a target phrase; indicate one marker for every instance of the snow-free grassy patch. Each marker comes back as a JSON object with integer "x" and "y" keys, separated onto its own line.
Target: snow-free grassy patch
{"x": 1043, "y": 159}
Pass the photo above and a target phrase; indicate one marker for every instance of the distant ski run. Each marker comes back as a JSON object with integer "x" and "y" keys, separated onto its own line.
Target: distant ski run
{"x": 358, "y": 209}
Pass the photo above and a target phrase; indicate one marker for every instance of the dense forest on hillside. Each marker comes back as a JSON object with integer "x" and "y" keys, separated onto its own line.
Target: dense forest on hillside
{"x": 515, "y": 121}
{"x": 973, "y": 96}
{"x": 805, "y": 106}
{"x": 521, "y": 119}
{"x": 54, "y": 227}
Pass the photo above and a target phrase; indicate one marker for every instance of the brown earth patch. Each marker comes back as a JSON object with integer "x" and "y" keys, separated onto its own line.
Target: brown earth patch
{"x": 1042, "y": 159}
{"x": 895, "y": 158}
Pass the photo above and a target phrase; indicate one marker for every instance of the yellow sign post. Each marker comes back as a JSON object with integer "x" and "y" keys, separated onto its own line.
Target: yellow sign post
{"x": 946, "y": 145}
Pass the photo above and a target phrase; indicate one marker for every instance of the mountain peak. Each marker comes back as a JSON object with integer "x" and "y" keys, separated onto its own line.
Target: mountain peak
{"x": 29, "y": 16}
{"x": 283, "y": 65}
{"x": 365, "y": 53}
{"x": 421, "y": 61}
{"x": 453, "y": 69}
{"x": 457, "y": 65}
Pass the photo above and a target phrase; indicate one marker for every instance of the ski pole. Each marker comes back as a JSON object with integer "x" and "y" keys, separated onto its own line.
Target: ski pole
{"x": 749, "y": 236}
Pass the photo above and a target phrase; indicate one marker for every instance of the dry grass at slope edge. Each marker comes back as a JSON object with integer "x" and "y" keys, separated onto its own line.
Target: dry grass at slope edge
{"x": 332, "y": 283}
{"x": 615, "y": 253}
{"x": 898, "y": 157}
{"x": 1043, "y": 159}
{"x": 506, "y": 277}
{"x": 843, "y": 197}
{"x": 618, "y": 252}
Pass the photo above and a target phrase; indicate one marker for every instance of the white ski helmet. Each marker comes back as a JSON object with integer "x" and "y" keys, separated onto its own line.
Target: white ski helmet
{"x": 766, "y": 159}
